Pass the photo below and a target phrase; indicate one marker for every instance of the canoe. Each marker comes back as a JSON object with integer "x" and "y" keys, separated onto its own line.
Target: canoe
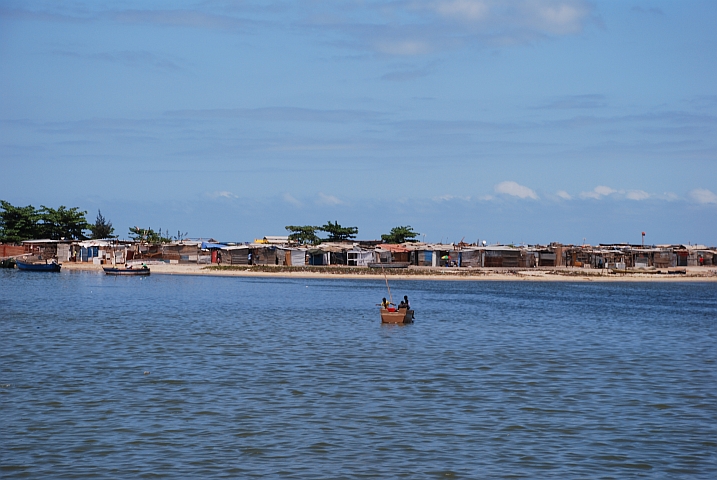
{"x": 37, "y": 267}
{"x": 399, "y": 316}
{"x": 389, "y": 265}
{"x": 126, "y": 271}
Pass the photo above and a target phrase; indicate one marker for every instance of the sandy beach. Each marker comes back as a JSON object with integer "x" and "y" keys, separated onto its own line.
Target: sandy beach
{"x": 692, "y": 274}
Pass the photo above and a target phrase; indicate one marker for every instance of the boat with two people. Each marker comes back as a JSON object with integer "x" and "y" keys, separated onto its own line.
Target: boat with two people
{"x": 390, "y": 313}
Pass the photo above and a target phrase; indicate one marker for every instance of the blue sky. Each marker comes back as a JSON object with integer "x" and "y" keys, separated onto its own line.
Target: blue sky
{"x": 506, "y": 121}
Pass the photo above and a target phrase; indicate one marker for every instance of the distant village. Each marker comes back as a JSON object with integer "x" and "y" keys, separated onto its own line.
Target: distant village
{"x": 281, "y": 250}
{"x": 303, "y": 247}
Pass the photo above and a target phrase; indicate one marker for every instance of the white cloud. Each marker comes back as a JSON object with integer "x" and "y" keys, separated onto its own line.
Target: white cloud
{"x": 463, "y": 9}
{"x": 516, "y": 190}
{"x": 669, "y": 196}
{"x": 702, "y": 195}
{"x": 328, "y": 200}
{"x": 290, "y": 199}
{"x": 603, "y": 190}
{"x": 222, "y": 194}
{"x": 447, "y": 198}
{"x": 419, "y": 27}
{"x": 518, "y": 17}
{"x": 563, "y": 194}
{"x": 637, "y": 195}
{"x": 598, "y": 192}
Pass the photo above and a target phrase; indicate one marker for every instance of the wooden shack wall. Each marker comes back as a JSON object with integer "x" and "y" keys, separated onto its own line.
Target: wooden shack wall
{"x": 663, "y": 259}
{"x": 418, "y": 258}
{"x": 493, "y": 259}
{"x": 240, "y": 256}
{"x": 470, "y": 258}
{"x": 547, "y": 259}
{"x": 11, "y": 250}
{"x": 264, "y": 256}
{"x": 401, "y": 256}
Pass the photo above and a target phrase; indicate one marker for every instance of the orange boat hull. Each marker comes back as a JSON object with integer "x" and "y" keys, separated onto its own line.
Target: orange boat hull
{"x": 401, "y": 316}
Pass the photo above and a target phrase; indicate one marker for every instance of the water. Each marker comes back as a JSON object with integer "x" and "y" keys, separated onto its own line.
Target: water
{"x": 294, "y": 378}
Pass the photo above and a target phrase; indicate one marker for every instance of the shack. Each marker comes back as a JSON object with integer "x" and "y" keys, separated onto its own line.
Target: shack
{"x": 504, "y": 256}
{"x": 233, "y": 255}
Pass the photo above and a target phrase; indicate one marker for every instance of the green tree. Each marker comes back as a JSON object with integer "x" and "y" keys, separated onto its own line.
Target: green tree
{"x": 18, "y": 223}
{"x": 400, "y": 235}
{"x": 67, "y": 223}
{"x": 102, "y": 227}
{"x": 147, "y": 235}
{"x": 305, "y": 235}
{"x": 337, "y": 233}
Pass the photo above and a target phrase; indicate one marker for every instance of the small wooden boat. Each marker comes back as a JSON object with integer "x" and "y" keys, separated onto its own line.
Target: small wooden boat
{"x": 38, "y": 266}
{"x": 391, "y": 315}
{"x": 389, "y": 265}
{"x": 7, "y": 263}
{"x": 144, "y": 270}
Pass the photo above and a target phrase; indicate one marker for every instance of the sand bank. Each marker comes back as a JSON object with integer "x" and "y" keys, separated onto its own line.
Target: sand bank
{"x": 693, "y": 274}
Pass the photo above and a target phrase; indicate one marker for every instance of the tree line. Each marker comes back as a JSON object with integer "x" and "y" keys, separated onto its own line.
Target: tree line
{"x": 26, "y": 223}
{"x": 307, "y": 234}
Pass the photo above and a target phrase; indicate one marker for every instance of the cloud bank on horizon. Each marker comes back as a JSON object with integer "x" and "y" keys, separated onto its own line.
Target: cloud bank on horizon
{"x": 389, "y": 112}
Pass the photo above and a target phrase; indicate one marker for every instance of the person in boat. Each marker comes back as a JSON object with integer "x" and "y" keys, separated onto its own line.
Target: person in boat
{"x": 405, "y": 300}
{"x": 402, "y": 305}
{"x": 385, "y": 304}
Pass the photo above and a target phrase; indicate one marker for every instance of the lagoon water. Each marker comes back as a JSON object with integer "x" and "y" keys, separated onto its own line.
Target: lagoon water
{"x": 224, "y": 377}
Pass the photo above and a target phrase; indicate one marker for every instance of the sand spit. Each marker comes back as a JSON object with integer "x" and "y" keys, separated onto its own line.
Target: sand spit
{"x": 693, "y": 274}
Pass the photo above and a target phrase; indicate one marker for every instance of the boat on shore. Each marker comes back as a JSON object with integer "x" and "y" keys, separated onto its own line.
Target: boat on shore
{"x": 391, "y": 315}
{"x": 38, "y": 265}
{"x": 7, "y": 263}
{"x": 142, "y": 271}
{"x": 389, "y": 265}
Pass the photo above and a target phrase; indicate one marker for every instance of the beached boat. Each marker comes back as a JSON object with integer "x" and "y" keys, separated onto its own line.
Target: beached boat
{"x": 7, "y": 263}
{"x": 389, "y": 265}
{"x": 38, "y": 265}
{"x": 392, "y": 315}
{"x": 144, "y": 270}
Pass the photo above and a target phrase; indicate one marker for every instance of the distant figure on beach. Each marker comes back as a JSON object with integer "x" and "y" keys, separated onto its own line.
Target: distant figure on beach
{"x": 702, "y": 261}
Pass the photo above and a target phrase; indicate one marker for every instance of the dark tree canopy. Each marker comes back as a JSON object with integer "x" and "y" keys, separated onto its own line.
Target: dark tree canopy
{"x": 337, "y": 233}
{"x": 67, "y": 223}
{"x": 147, "y": 235}
{"x": 303, "y": 235}
{"x": 18, "y": 223}
{"x": 102, "y": 227}
{"x": 400, "y": 235}
{"x": 26, "y": 223}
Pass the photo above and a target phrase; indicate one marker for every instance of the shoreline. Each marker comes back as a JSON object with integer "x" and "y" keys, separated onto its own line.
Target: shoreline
{"x": 560, "y": 274}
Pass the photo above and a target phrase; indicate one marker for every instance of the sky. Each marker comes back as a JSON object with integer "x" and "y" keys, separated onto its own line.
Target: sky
{"x": 519, "y": 121}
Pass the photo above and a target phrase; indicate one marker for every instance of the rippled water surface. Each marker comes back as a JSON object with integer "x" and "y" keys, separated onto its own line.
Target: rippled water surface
{"x": 206, "y": 377}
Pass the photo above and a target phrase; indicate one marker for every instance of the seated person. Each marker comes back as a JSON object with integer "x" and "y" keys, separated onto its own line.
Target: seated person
{"x": 384, "y": 303}
{"x": 402, "y": 305}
